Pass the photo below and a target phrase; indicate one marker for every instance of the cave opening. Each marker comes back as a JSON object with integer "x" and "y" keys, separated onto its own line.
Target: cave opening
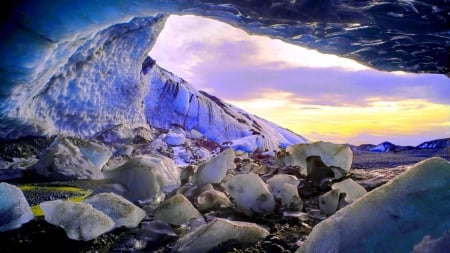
{"x": 320, "y": 96}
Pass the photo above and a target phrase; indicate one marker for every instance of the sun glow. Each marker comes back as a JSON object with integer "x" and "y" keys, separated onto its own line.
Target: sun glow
{"x": 320, "y": 96}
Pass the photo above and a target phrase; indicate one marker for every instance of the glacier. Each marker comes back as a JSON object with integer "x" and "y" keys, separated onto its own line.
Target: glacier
{"x": 81, "y": 67}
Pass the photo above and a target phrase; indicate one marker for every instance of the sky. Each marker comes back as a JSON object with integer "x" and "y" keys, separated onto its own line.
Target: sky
{"x": 319, "y": 96}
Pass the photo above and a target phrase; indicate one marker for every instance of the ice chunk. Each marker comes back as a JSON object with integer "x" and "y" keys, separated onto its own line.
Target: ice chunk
{"x": 214, "y": 170}
{"x": 391, "y": 218}
{"x": 176, "y": 210}
{"x": 335, "y": 156}
{"x": 248, "y": 144}
{"x": 219, "y": 231}
{"x": 290, "y": 198}
{"x": 14, "y": 208}
{"x": 147, "y": 178}
{"x": 64, "y": 161}
{"x": 80, "y": 221}
{"x": 352, "y": 190}
{"x": 175, "y": 138}
{"x": 212, "y": 199}
{"x": 120, "y": 210}
{"x": 250, "y": 193}
{"x": 96, "y": 153}
{"x": 276, "y": 183}
{"x": 329, "y": 202}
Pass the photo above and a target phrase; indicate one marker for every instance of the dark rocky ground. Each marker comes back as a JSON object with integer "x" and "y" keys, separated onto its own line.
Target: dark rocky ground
{"x": 286, "y": 233}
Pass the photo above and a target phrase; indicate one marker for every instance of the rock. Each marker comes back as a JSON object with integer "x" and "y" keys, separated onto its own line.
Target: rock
{"x": 391, "y": 218}
{"x": 212, "y": 199}
{"x": 176, "y": 210}
{"x": 219, "y": 231}
{"x": 250, "y": 193}
{"x": 14, "y": 208}
{"x": 80, "y": 221}
{"x": 175, "y": 138}
{"x": 120, "y": 210}
{"x": 352, "y": 190}
{"x": 335, "y": 156}
{"x": 329, "y": 202}
{"x": 214, "y": 170}
{"x": 65, "y": 161}
{"x": 147, "y": 178}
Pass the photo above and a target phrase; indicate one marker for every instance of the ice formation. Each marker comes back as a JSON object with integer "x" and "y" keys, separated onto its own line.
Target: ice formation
{"x": 14, "y": 208}
{"x": 214, "y": 170}
{"x": 217, "y": 231}
{"x": 391, "y": 218}
{"x": 146, "y": 178}
{"x": 80, "y": 221}
{"x": 79, "y": 68}
{"x": 120, "y": 210}
{"x": 176, "y": 210}
{"x": 250, "y": 193}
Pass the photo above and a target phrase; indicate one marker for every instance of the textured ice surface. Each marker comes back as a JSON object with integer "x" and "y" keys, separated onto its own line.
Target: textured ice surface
{"x": 120, "y": 210}
{"x": 80, "y": 221}
{"x": 336, "y": 156}
{"x": 64, "y": 160}
{"x": 76, "y": 66}
{"x": 14, "y": 208}
{"x": 176, "y": 210}
{"x": 146, "y": 178}
{"x": 276, "y": 183}
{"x": 217, "y": 231}
{"x": 250, "y": 193}
{"x": 214, "y": 170}
{"x": 352, "y": 190}
{"x": 391, "y": 218}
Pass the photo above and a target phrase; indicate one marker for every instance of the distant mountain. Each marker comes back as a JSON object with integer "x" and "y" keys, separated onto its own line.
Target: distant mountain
{"x": 439, "y": 143}
{"x": 390, "y": 147}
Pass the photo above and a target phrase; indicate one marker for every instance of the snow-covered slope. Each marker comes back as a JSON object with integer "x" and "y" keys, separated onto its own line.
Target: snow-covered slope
{"x": 109, "y": 80}
{"x": 171, "y": 101}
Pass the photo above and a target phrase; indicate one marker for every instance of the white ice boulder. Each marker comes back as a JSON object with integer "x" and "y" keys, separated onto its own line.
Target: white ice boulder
{"x": 176, "y": 210}
{"x": 219, "y": 231}
{"x": 392, "y": 218}
{"x": 276, "y": 183}
{"x": 209, "y": 199}
{"x": 147, "y": 178}
{"x": 329, "y": 202}
{"x": 250, "y": 193}
{"x": 352, "y": 190}
{"x": 290, "y": 198}
{"x": 120, "y": 210}
{"x": 14, "y": 208}
{"x": 63, "y": 160}
{"x": 175, "y": 138}
{"x": 80, "y": 221}
{"x": 214, "y": 170}
{"x": 248, "y": 144}
{"x": 336, "y": 156}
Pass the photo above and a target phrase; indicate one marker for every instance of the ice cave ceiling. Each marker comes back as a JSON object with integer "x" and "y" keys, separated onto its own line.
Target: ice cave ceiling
{"x": 49, "y": 43}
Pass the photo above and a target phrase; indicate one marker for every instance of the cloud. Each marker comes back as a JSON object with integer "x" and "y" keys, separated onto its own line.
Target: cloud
{"x": 316, "y": 95}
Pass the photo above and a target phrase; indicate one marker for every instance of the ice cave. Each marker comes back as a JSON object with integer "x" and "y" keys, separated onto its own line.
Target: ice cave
{"x": 80, "y": 68}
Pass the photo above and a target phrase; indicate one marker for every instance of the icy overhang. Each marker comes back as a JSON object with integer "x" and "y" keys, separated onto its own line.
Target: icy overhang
{"x": 40, "y": 37}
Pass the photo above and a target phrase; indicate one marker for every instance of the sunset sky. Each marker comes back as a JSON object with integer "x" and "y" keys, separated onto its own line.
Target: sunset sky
{"x": 319, "y": 96}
